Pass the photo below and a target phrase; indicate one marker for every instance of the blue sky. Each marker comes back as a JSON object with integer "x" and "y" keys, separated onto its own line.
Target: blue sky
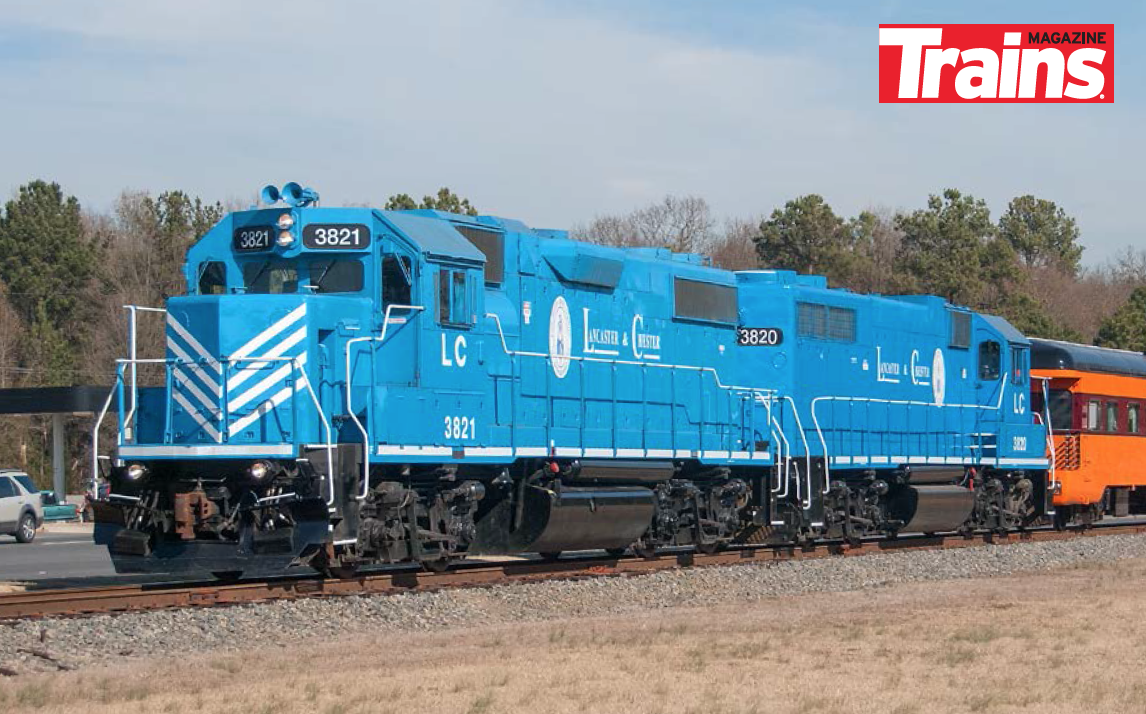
{"x": 552, "y": 112}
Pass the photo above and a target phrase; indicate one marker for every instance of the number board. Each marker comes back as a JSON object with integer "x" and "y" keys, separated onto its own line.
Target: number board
{"x": 336, "y": 236}
{"x": 253, "y": 238}
{"x": 759, "y": 336}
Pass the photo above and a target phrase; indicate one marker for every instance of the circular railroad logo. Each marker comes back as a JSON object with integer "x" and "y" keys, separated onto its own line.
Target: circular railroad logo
{"x": 938, "y": 377}
{"x": 560, "y": 338}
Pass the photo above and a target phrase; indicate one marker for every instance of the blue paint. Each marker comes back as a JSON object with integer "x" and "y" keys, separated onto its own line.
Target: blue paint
{"x": 551, "y": 347}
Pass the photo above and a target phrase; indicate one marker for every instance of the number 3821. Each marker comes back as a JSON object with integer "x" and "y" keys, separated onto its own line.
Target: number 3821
{"x": 460, "y": 427}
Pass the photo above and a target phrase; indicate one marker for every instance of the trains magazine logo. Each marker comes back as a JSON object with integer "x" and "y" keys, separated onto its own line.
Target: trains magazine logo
{"x": 996, "y": 63}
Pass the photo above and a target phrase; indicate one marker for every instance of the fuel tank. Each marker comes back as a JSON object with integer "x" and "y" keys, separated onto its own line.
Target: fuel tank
{"x": 931, "y": 508}
{"x": 566, "y": 518}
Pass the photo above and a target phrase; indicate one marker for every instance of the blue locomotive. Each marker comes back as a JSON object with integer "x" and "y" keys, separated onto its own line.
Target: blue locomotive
{"x": 345, "y": 386}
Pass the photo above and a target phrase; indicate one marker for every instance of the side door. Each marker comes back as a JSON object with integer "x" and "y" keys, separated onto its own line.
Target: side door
{"x": 459, "y": 376}
{"x": 990, "y": 387}
{"x": 397, "y": 358}
{"x": 9, "y": 504}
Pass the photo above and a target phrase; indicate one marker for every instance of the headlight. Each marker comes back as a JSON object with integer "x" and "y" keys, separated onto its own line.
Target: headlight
{"x": 285, "y": 239}
{"x": 285, "y": 221}
{"x": 259, "y": 470}
{"x": 135, "y": 472}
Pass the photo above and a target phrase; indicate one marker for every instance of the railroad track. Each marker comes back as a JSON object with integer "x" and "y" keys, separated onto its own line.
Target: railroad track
{"x": 72, "y": 602}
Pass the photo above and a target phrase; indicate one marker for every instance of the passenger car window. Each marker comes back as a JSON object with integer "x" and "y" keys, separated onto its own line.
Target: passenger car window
{"x": 212, "y": 278}
{"x": 7, "y": 487}
{"x": 989, "y": 360}
{"x": 1132, "y": 418}
{"x": 1092, "y": 415}
{"x": 1112, "y": 416}
{"x": 1061, "y": 404}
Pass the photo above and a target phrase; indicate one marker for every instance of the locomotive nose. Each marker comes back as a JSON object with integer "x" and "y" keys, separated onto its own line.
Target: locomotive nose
{"x": 238, "y": 363}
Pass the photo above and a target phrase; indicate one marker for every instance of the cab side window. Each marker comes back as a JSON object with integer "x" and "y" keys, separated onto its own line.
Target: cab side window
{"x": 453, "y": 297}
{"x": 212, "y": 278}
{"x": 989, "y": 360}
{"x": 397, "y": 275}
{"x": 1018, "y": 365}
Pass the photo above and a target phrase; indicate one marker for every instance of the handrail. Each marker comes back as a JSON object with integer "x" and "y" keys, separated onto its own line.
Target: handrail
{"x": 633, "y": 363}
{"x": 807, "y": 453}
{"x": 227, "y": 360}
{"x": 132, "y": 337}
{"x": 95, "y": 434}
{"x": 876, "y": 400}
{"x": 366, "y": 440}
{"x": 1050, "y": 435}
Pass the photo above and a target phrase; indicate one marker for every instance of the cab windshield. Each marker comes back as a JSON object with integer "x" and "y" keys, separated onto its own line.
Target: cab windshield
{"x": 275, "y": 277}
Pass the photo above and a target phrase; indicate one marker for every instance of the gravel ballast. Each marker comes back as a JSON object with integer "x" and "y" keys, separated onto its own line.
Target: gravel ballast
{"x": 50, "y": 644}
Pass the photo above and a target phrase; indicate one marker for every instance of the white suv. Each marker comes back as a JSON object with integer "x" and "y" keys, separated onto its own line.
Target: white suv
{"x": 21, "y": 508}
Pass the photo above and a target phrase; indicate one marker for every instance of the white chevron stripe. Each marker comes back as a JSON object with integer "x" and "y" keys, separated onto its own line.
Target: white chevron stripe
{"x": 268, "y": 334}
{"x": 199, "y": 419}
{"x": 190, "y": 340}
{"x": 279, "y": 397}
{"x": 252, "y": 368}
{"x": 274, "y": 378}
{"x": 188, "y": 385}
{"x": 190, "y": 364}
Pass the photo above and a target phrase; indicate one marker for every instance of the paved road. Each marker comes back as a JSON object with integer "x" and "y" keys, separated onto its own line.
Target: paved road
{"x": 53, "y": 555}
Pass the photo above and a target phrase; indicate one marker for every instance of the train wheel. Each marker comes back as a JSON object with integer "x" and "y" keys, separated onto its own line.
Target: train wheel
{"x": 644, "y": 550}
{"x": 710, "y": 548}
{"x": 438, "y": 565}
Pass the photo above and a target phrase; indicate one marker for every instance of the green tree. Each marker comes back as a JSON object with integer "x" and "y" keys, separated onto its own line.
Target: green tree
{"x": 445, "y": 200}
{"x": 1031, "y": 317}
{"x": 49, "y": 354}
{"x": 45, "y": 259}
{"x": 154, "y": 235}
{"x": 808, "y": 237}
{"x": 401, "y": 202}
{"x": 1126, "y": 328}
{"x": 951, "y": 249}
{"x": 1041, "y": 233}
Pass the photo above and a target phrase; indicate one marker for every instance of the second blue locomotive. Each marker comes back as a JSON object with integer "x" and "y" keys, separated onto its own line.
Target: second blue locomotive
{"x": 344, "y": 386}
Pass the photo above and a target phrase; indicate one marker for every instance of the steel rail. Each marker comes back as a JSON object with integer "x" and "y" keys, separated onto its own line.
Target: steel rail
{"x": 73, "y": 602}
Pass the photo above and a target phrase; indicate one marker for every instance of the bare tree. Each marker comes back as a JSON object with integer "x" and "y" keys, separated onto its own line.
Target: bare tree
{"x": 682, "y": 224}
{"x": 734, "y": 249}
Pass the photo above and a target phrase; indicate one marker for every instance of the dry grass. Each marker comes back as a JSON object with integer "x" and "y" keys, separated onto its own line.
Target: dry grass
{"x": 1066, "y": 641}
